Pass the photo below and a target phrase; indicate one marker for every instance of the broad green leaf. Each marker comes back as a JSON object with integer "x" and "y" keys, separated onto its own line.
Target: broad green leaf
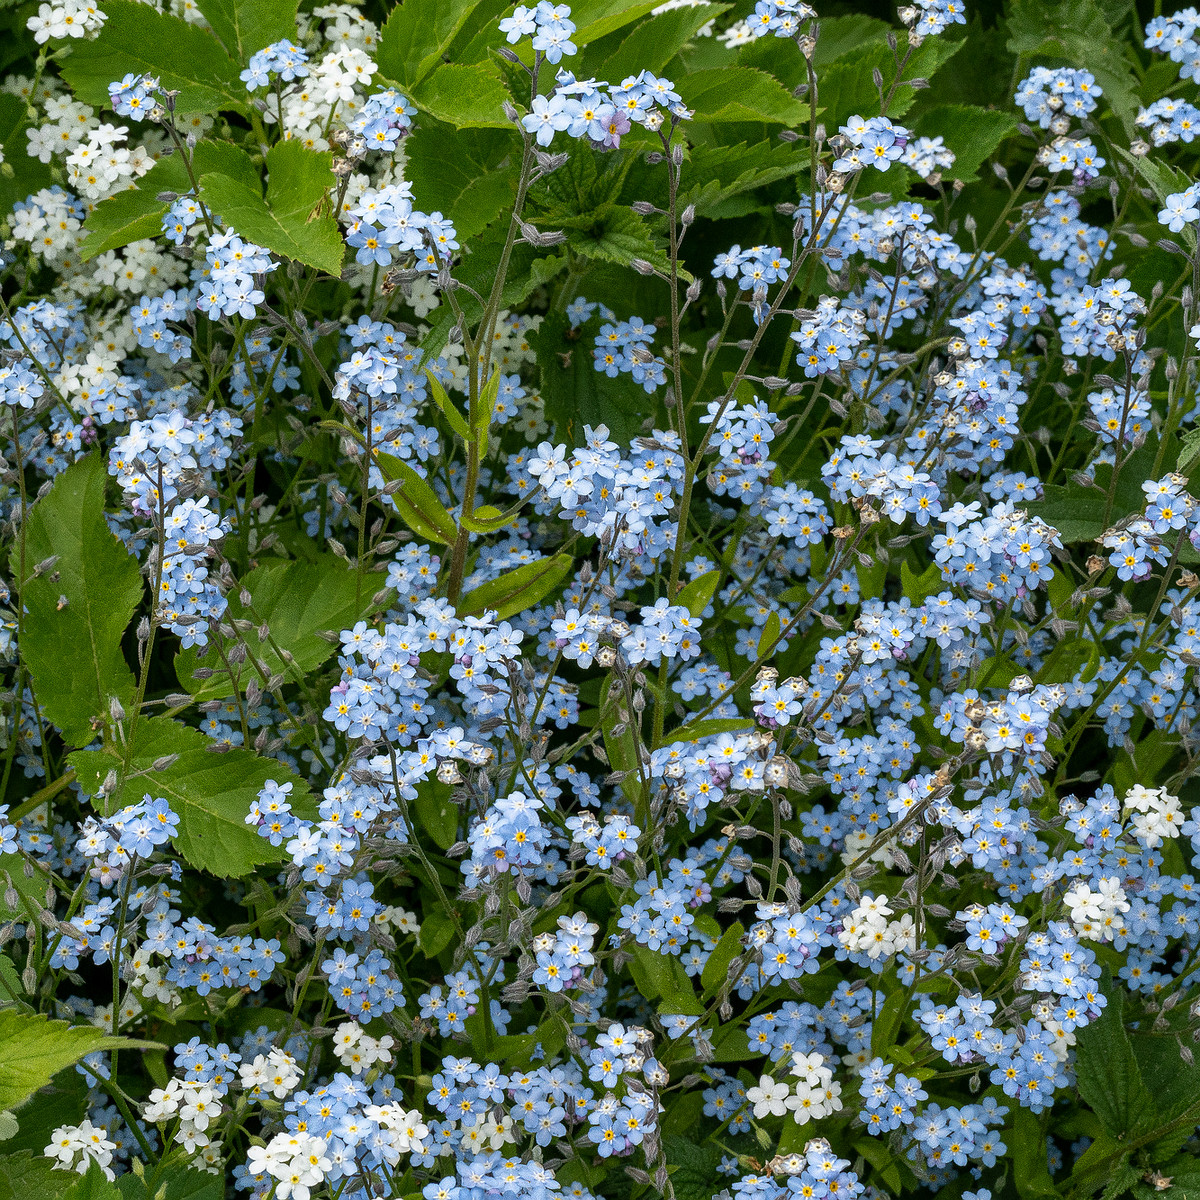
{"x": 211, "y": 793}
{"x": 92, "y": 1185}
{"x": 177, "y": 1182}
{"x": 722, "y": 181}
{"x": 417, "y": 34}
{"x": 298, "y": 601}
{"x": 1107, "y": 1072}
{"x": 29, "y": 1176}
{"x": 464, "y": 96}
{"x": 294, "y": 219}
{"x": 1027, "y": 1150}
{"x": 740, "y": 94}
{"x": 245, "y": 26}
{"x": 417, "y": 503}
{"x": 695, "y": 596}
{"x": 1189, "y": 452}
{"x": 595, "y": 19}
{"x": 707, "y": 727}
{"x": 437, "y": 812}
{"x": 515, "y": 591}
{"x": 575, "y": 394}
{"x": 876, "y": 1152}
{"x": 848, "y": 85}
{"x": 728, "y": 947}
{"x": 613, "y": 233}
{"x": 437, "y": 932}
{"x": 77, "y": 613}
{"x": 972, "y": 133}
{"x": 1163, "y": 179}
{"x": 652, "y": 44}
{"x": 917, "y": 588}
{"x": 470, "y": 175}
{"x": 33, "y": 1049}
{"x": 20, "y": 175}
{"x": 137, "y": 39}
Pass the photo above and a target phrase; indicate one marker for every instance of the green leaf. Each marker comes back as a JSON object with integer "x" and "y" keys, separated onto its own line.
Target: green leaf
{"x": 437, "y": 932}
{"x": 707, "y": 728}
{"x": 464, "y": 96}
{"x": 770, "y": 634}
{"x": 1163, "y": 179}
{"x": 298, "y": 601}
{"x": 211, "y": 793}
{"x": 417, "y": 503}
{"x": 1027, "y": 1149}
{"x": 740, "y": 94}
{"x": 716, "y": 970}
{"x": 93, "y": 1185}
{"x": 1076, "y": 31}
{"x": 1189, "y": 452}
{"x": 437, "y": 812}
{"x": 972, "y": 133}
{"x": 20, "y": 174}
{"x": 294, "y": 220}
{"x": 595, "y": 19}
{"x": 177, "y": 1181}
{"x": 470, "y": 175}
{"x": 655, "y": 41}
{"x": 1107, "y": 1072}
{"x": 721, "y": 181}
{"x": 137, "y": 39}
{"x": 695, "y": 596}
{"x": 515, "y": 591}
{"x": 417, "y": 34}
{"x": 620, "y": 744}
{"x": 33, "y": 1049}
{"x": 245, "y": 26}
{"x": 26, "y": 1176}
{"x": 918, "y": 587}
{"x": 876, "y": 1152}
{"x": 455, "y": 419}
{"x": 613, "y": 233}
{"x": 77, "y": 612}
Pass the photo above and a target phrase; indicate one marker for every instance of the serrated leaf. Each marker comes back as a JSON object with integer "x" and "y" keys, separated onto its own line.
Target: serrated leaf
{"x": 1107, "y": 1072}
{"x": 417, "y": 503}
{"x": 740, "y": 94}
{"x": 463, "y": 96}
{"x": 417, "y": 34}
{"x": 294, "y": 219}
{"x": 28, "y": 175}
{"x": 595, "y": 19}
{"x": 972, "y": 133}
{"x": 655, "y": 41}
{"x": 33, "y": 1049}
{"x": 515, "y": 591}
{"x": 92, "y": 1185}
{"x": 135, "y": 38}
{"x": 176, "y": 1182}
{"x": 298, "y": 601}
{"x": 26, "y": 1176}
{"x": 76, "y": 614}
{"x": 576, "y": 394}
{"x": 211, "y": 793}
{"x": 470, "y": 175}
{"x": 245, "y": 26}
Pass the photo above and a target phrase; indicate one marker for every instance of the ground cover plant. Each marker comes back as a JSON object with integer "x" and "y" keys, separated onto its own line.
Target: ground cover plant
{"x": 599, "y": 601}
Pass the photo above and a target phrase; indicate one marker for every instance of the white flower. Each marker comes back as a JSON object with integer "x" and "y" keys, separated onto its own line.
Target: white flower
{"x": 769, "y": 1098}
